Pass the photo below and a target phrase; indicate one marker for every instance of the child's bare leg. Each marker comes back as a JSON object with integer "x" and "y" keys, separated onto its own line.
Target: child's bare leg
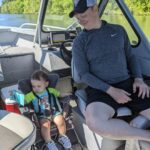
{"x": 45, "y": 129}
{"x": 60, "y": 123}
{"x": 99, "y": 119}
{"x": 63, "y": 139}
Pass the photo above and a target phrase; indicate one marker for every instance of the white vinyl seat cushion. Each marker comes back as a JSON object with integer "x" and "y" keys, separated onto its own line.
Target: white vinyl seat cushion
{"x": 16, "y": 131}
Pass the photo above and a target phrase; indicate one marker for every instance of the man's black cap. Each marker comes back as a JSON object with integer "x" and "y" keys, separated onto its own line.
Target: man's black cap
{"x": 81, "y": 6}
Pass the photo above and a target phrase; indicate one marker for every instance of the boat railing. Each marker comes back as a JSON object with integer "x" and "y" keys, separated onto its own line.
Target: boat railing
{"x": 46, "y": 27}
{"x": 32, "y": 26}
{"x": 28, "y": 25}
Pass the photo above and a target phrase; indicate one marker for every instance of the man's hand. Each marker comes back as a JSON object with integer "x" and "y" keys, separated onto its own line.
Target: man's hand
{"x": 119, "y": 95}
{"x": 143, "y": 88}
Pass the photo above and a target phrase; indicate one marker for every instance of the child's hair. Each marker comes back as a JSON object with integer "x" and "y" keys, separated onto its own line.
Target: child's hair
{"x": 39, "y": 74}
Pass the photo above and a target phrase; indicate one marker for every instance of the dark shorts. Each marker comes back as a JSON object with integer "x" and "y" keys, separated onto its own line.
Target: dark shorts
{"x": 136, "y": 105}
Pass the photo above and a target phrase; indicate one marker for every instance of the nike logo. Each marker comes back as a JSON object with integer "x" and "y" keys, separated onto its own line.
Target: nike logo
{"x": 112, "y": 35}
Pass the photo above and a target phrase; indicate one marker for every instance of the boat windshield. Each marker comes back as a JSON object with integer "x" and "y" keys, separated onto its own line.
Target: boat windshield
{"x": 57, "y": 15}
{"x": 113, "y": 14}
{"x": 57, "y": 18}
{"x": 141, "y": 12}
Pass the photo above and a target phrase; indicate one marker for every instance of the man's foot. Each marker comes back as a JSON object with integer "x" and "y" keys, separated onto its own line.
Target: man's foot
{"x": 65, "y": 142}
{"x": 51, "y": 145}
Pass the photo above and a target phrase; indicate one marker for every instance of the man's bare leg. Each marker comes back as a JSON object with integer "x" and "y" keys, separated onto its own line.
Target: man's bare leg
{"x": 99, "y": 119}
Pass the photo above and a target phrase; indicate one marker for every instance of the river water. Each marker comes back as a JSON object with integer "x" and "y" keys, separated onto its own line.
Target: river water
{"x": 17, "y": 19}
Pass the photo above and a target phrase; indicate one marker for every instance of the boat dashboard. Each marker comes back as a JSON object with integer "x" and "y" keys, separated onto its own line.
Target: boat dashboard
{"x": 55, "y": 38}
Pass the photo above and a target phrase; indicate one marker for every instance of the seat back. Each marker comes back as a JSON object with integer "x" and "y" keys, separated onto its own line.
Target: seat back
{"x": 96, "y": 141}
{"x": 25, "y": 85}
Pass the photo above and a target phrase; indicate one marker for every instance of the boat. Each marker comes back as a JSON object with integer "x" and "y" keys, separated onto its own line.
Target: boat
{"x": 48, "y": 47}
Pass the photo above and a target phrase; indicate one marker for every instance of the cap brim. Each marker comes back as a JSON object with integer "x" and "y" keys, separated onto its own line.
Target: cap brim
{"x": 72, "y": 13}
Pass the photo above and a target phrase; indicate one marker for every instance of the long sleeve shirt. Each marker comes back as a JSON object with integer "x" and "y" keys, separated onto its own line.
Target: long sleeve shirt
{"x": 103, "y": 56}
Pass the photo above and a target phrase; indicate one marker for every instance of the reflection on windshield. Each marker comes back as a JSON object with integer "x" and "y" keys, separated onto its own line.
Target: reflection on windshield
{"x": 57, "y": 14}
{"x": 141, "y": 12}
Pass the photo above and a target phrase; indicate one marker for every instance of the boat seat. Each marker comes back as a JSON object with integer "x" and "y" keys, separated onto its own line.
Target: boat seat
{"x": 16, "y": 66}
{"x": 82, "y": 97}
{"x": 1, "y": 74}
{"x": 25, "y": 86}
{"x": 16, "y": 131}
{"x": 96, "y": 141}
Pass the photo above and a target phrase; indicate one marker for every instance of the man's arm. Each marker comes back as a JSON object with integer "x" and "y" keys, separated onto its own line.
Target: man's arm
{"x": 82, "y": 66}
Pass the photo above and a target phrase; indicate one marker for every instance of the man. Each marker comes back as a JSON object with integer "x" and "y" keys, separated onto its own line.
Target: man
{"x": 103, "y": 58}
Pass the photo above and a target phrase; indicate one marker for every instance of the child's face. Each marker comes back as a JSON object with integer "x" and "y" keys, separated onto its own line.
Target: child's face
{"x": 39, "y": 86}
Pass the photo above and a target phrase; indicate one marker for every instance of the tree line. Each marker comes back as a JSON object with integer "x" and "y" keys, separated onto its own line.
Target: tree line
{"x": 139, "y": 6}
{"x": 62, "y": 7}
{"x": 20, "y": 6}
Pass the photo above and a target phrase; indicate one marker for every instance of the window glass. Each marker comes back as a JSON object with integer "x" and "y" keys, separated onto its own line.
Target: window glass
{"x": 113, "y": 14}
{"x": 57, "y": 15}
{"x": 16, "y": 13}
{"x": 141, "y": 12}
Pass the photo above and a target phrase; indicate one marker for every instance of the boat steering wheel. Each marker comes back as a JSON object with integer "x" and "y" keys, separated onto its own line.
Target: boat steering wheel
{"x": 65, "y": 50}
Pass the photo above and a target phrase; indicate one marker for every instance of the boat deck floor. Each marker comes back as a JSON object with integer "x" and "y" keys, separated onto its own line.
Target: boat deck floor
{"x": 40, "y": 145}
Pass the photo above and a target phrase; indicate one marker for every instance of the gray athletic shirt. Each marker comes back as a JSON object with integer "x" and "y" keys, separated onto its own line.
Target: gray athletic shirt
{"x": 103, "y": 56}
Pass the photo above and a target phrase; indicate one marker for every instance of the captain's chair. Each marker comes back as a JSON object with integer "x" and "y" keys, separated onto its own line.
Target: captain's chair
{"x": 82, "y": 97}
{"x": 25, "y": 86}
{"x": 98, "y": 142}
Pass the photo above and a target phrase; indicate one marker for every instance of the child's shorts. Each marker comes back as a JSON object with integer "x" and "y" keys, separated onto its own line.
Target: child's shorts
{"x": 50, "y": 117}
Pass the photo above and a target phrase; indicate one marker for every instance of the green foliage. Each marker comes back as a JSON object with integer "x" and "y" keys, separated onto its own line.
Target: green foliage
{"x": 62, "y": 7}
{"x": 139, "y": 7}
{"x": 20, "y": 7}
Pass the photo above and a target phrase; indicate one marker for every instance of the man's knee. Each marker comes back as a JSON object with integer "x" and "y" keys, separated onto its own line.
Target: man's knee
{"x": 97, "y": 126}
{"x": 98, "y": 111}
{"x": 97, "y": 115}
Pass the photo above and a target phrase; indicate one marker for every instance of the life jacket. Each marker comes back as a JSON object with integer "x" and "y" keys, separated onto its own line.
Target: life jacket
{"x": 52, "y": 99}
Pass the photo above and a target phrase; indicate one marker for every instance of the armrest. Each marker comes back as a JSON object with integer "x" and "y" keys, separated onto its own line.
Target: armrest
{"x": 1, "y": 73}
{"x": 67, "y": 102}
